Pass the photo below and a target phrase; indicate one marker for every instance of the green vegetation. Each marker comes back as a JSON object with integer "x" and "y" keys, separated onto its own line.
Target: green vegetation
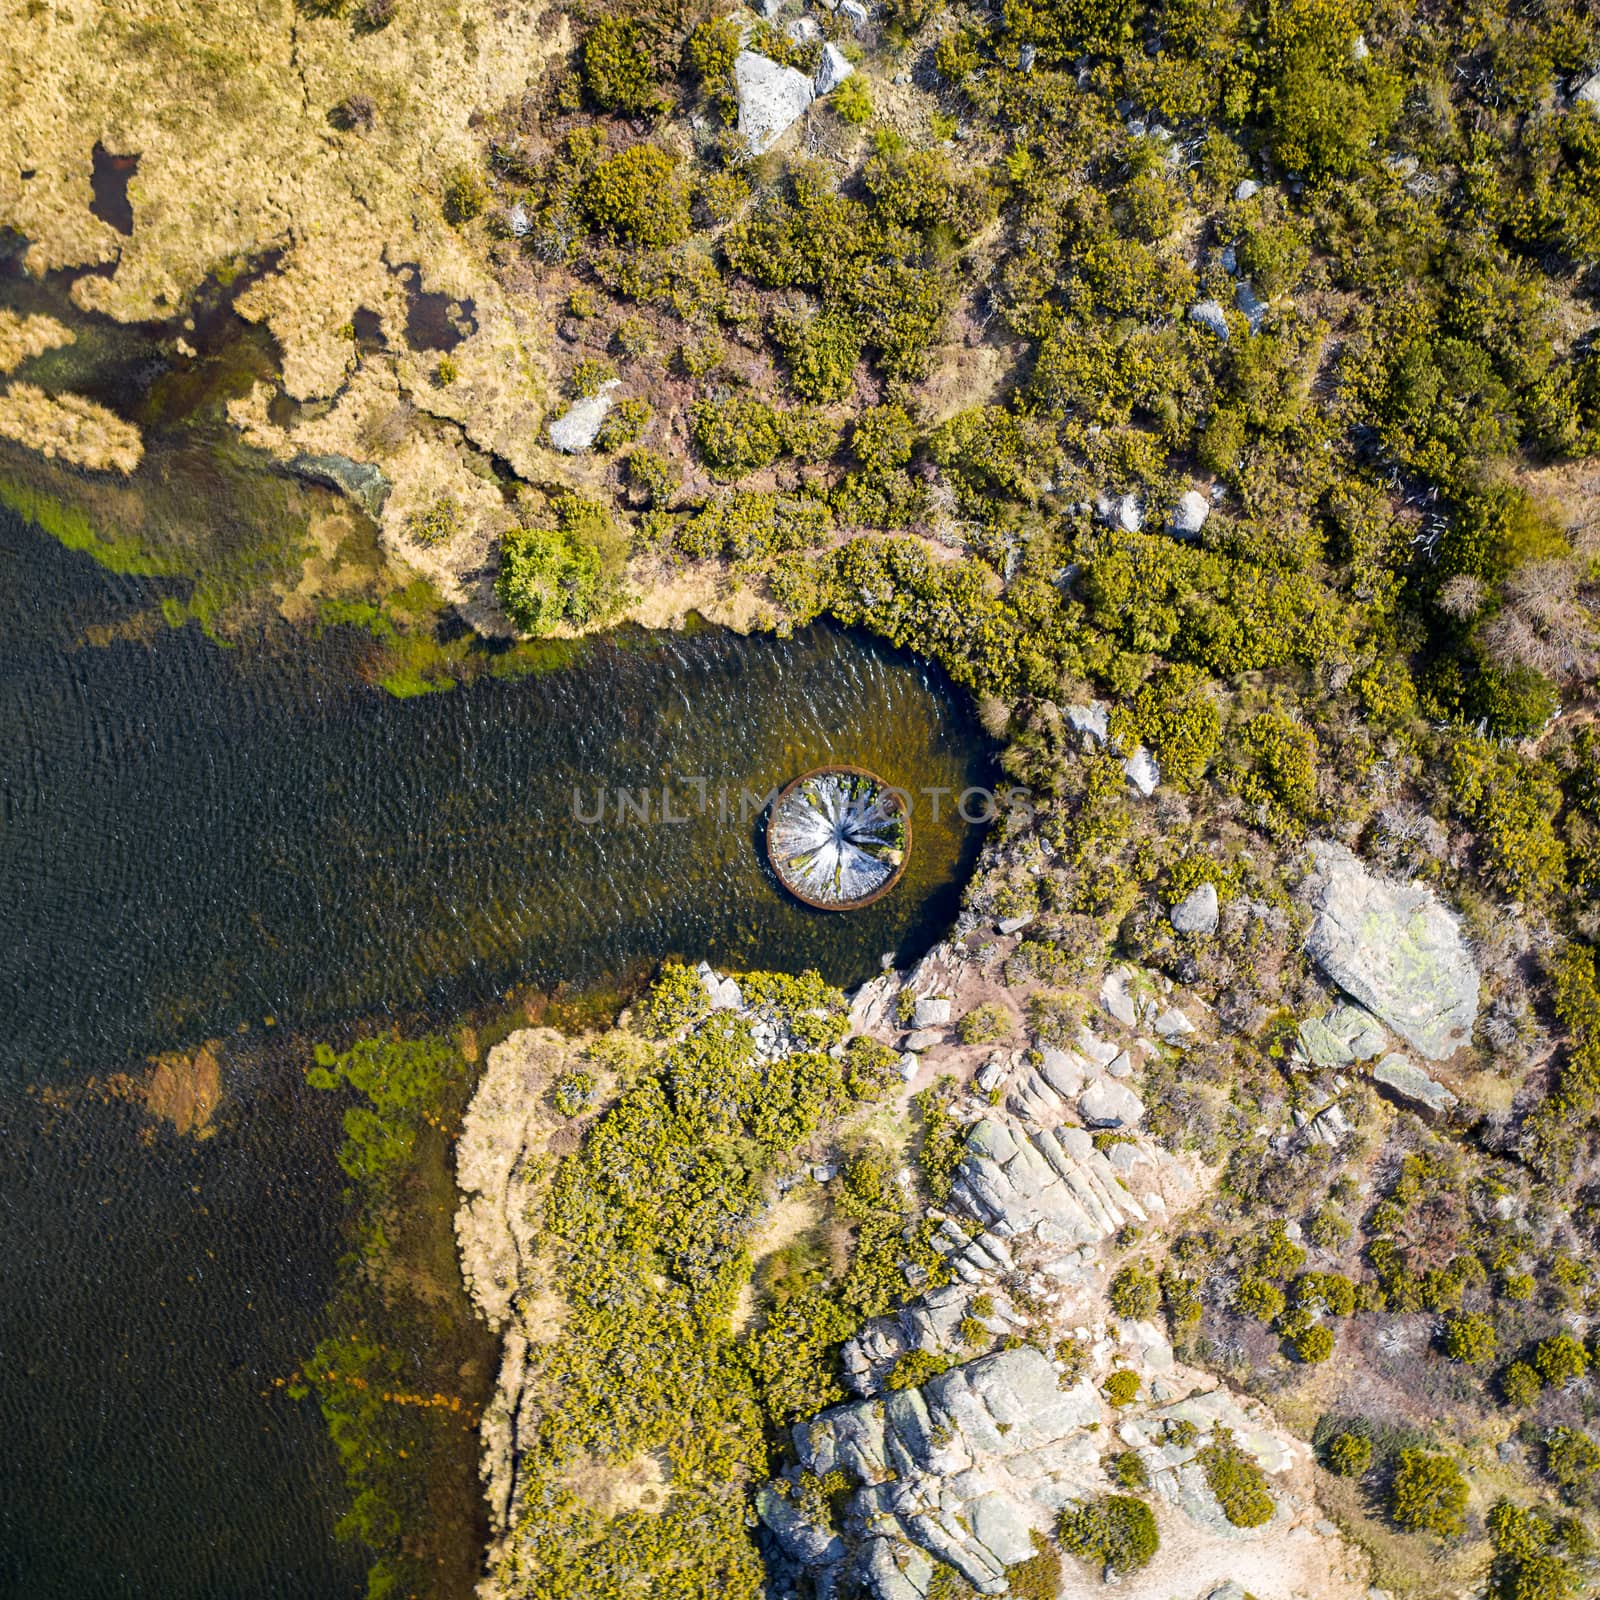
{"x": 1118, "y": 1532}
{"x": 1350, "y": 1454}
{"x": 1428, "y": 1494}
{"x": 1235, "y": 1478}
{"x": 557, "y": 576}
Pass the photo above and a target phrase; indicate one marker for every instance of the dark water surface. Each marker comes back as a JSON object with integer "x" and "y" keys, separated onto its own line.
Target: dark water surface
{"x": 196, "y": 840}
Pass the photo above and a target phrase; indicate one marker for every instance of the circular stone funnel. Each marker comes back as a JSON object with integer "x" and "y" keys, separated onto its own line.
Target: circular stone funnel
{"x": 838, "y": 838}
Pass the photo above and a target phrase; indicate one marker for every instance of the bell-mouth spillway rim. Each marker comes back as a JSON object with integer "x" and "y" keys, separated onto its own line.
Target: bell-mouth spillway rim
{"x": 891, "y": 795}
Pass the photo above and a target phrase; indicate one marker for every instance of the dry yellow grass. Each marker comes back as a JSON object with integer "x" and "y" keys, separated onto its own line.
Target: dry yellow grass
{"x": 22, "y": 338}
{"x": 67, "y": 427}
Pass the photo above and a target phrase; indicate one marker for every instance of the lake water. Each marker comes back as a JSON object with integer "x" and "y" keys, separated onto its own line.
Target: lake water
{"x": 250, "y": 845}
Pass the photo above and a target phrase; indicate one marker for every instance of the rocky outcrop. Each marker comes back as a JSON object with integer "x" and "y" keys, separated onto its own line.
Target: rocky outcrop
{"x": 1394, "y": 947}
{"x": 833, "y": 70}
{"x": 361, "y": 481}
{"x": 1189, "y": 515}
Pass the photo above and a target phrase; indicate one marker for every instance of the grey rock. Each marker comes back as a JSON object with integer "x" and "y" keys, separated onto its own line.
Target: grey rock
{"x": 1210, "y": 315}
{"x": 1197, "y": 912}
{"x": 1009, "y": 925}
{"x": 1108, "y": 1104}
{"x": 768, "y": 9}
{"x": 1120, "y": 1065}
{"x": 933, "y": 1012}
{"x": 1394, "y": 947}
{"x": 992, "y": 1074}
{"x": 908, "y": 1066}
{"x": 923, "y": 1039}
{"x": 1588, "y": 93}
{"x": 1227, "y": 1591}
{"x": 1247, "y": 189}
{"x": 518, "y": 221}
{"x": 855, "y": 12}
{"x": 1173, "y": 1025}
{"x": 1124, "y": 512}
{"x": 1026, "y": 56}
{"x": 833, "y": 70}
{"x": 1252, "y": 305}
{"x": 578, "y": 428}
{"x": 1089, "y": 720}
{"x": 1411, "y": 1083}
{"x": 1062, "y": 1070}
{"x": 1228, "y": 259}
{"x": 1117, "y": 997}
{"x": 359, "y": 480}
{"x": 1359, "y": 48}
{"x": 1142, "y": 771}
{"x": 1189, "y": 515}
{"x": 804, "y": 30}
{"x": 1100, "y": 1051}
{"x": 771, "y": 99}
{"x": 802, "y": 1540}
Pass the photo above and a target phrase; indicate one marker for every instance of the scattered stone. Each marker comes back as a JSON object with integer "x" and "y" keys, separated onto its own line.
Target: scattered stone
{"x": 1100, "y": 1051}
{"x": 1174, "y": 1025}
{"x": 1124, "y": 512}
{"x": 1211, "y": 315}
{"x": 855, "y": 12}
{"x": 824, "y": 1172}
{"x": 1228, "y": 259}
{"x": 1252, "y": 305}
{"x": 1120, "y": 1065}
{"x": 1142, "y": 771}
{"x": 1247, "y": 189}
{"x": 1063, "y": 1071}
{"x": 1189, "y": 515}
{"x": 1588, "y": 94}
{"x": 771, "y": 99}
{"x": 1394, "y": 947}
{"x": 768, "y": 9}
{"x": 908, "y": 1066}
{"x": 518, "y": 221}
{"x": 1117, "y": 997}
{"x": 933, "y": 1012}
{"x": 1197, "y": 913}
{"x": 1026, "y": 56}
{"x": 805, "y": 30}
{"x": 579, "y": 427}
{"x": 1359, "y": 49}
{"x": 834, "y": 69}
{"x": 1010, "y": 925}
{"x": 923, "y": 1039}
{"x": 1089, "y": 720}
{"x": 992, "y": 1074}
{"x": 1411, "y": 1083}
{"x": 1110, "y": 1105}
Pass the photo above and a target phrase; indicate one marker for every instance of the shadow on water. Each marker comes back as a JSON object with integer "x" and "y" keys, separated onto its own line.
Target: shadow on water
{"x": 194, "y": 840}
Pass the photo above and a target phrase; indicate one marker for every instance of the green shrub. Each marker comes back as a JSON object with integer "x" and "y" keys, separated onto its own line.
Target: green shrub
{"x": 1258, "y": 1297}
{"x": 1572, "y": 1459}
{"x": 1520, "y": 1384}
{"x": 1122, "y": 1387}
{"x": 1117, "y": 1531}
{"x": 638, "y": 198}
{"x": 655, "y": 476}
{"x": 1314, "y": 1344}
{"x": 1136, "y": 1292}
{"x": 1237, "y": 1481}
{"x": 551, "y": 576}
{"x": 986, "y": 1024}
{"x": 1428, "y": 1495}
{"x": 822, "y": 351}
{"x": 618, "y": 69}
{"x": 915, "y": 1367}
{"x": 465, "y": 195}
{"x": 1560, "y": 1359}
{"x": 1469, "y": 1337}
{"x": 624, "y": 423}
{"x": 1129, "y": 1471}
{"x": 572, "y": 1092}
{"x": 852, "y": 101}
{"x": 437, "y": 524}
{"x": 1349, "y": 1454}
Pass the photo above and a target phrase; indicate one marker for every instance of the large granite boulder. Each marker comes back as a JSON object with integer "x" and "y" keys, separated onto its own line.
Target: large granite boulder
{"x": 1408, "y": 1081}
{"x": 771, "y": 99}
{"x": 1397, "y": 948}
